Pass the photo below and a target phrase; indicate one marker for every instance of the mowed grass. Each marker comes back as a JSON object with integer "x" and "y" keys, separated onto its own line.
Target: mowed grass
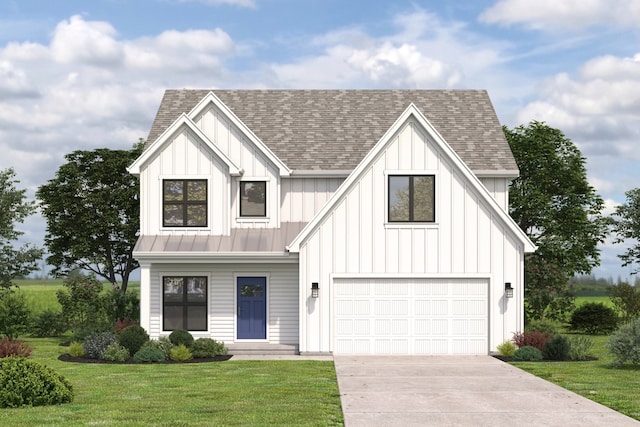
{"x": 597, "y": 299}
{"x": 231, "y": 393}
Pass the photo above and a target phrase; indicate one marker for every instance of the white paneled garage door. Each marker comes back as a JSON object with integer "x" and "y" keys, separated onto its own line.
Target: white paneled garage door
{"x": 400, "y": 316}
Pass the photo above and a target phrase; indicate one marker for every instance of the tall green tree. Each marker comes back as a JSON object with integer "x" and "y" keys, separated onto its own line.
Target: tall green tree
{"x": 554, "y": 204}
{"x": 93, "y": 214}
{"x": 14, "y": 208}
{"x": 626, "y": 226}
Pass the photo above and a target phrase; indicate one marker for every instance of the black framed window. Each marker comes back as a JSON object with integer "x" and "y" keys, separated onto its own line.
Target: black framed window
{"x": 253, "y": 198}
{"x": 184, "y": 203}
{"x": 184, "y": 303}
{"x": 412, "y": 198}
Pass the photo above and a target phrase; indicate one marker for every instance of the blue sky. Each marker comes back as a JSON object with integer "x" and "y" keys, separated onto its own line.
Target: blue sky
{"x": 77, "y": 74}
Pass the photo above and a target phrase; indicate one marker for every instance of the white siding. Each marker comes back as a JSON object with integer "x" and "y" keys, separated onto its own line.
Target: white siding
{"x": 499, "y": 189}
{"x": 282, "y": 299}
{"x": 467, "y": 239}
{"x": 302, "y": 198}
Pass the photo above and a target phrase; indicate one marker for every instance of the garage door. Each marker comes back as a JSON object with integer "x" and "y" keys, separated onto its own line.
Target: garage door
{"x": 379, "y": 316}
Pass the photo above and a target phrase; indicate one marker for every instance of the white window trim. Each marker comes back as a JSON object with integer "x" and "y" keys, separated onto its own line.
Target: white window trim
{"x": 207, "y": 178}
{"x": 408, "y": 225}
{"x": 254, "y": 219}
{"x": 162, "y": 275}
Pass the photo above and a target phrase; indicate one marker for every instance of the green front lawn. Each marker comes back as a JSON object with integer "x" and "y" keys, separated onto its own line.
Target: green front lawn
{"x": 231, "y": 393}
{"x": 615, "y": 388}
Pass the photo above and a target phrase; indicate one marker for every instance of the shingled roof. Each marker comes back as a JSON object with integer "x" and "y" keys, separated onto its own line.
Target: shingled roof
{"x": 334, "y": 129}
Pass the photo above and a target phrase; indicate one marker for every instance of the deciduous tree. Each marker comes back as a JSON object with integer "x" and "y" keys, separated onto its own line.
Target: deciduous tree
{"x": 626, "y": 226}
{"x": 92, "y": 211}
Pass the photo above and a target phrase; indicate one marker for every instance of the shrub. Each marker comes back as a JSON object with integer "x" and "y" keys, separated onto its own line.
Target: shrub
{"x": 527, "y": 353}
{"x": 115, "y": 353}
{"x": 207, "y": 347}
{"x": 11, "y": 347}
{"x": 180, "y": 336}
{"x": 95, "y": 344}
{"x": 163, "y": 344}
{"x": 121, "y": 306}
{"x": 15, "y": 315}
{"x": 180, "y": 353}
{"x": 626, "y": 299}
{"x": 535, "y": 339}
{"x": 624, "y": 344}
{"x": 507, "y": 349}
{"x": 549, "y": 326}
{"x": 76, "y": 349}
{"x": 556, "y": 349}
{"x": 49, "y": 323}
{"x": 121, "y": 324}
{"x": 594, "y": 318}
{"x": 579, "y": 347}
{"x": 133, "y": 338}
{"x": 149, "y": 353}
{"x": 83, "y": 305}
{"x": 26, "y": 382}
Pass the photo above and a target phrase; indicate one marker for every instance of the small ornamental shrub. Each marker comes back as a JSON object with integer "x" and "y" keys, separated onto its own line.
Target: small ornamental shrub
{"x": 163, "y": 344}
{"x": 15, "y": 315}
{"x": 556, "y": 349}
{"x": 133, "y": 338}
{"x": 507, "y": 349}
{"x": 9, "y": 347}
{"x": 76, "y": 349}
{"x": 624, "y": 344}
{"x": 527, "y": 353}
{"x": 207, "y": 347}
{"x": 180, "y": 336}
{"x": 115, "y": 353}
{"x": 535, "y": 339}
{"x": 149, "y": 354}
{"x": 180, "y": 353}
{"x": 549, "y": 326}
{"x": 95, "y": 344}
{"x": 594, "y": 318}
{"x": 26, "y": 382}
{"x": 49, "y": 323}
{"x": 579, "y": 347}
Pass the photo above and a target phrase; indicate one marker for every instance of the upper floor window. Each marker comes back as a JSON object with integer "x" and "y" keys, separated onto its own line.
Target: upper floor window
{"x": 412, "y": 198}
{"x": 184, "y": 203}
{"x": 253, "y": 198}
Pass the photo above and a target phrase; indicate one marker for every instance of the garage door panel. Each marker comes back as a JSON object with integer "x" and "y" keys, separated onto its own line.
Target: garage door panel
{"x": 411, "y": 317}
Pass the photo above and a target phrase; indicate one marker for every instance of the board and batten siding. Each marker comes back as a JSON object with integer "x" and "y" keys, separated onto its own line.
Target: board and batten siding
{"x": 499, "y": 189}
{"x": 282, "y": 299}
{"x": 302, "y": 198}
{"x": 355, "y": 239}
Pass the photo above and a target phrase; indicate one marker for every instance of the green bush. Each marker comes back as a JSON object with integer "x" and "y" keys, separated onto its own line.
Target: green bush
{"x": 626, "y": 299}
{"x": 579, "y": 347}
{"x": 163, "y": 344}
{"x": 12, "y": 347}
{"x": 84, "y": 306}
{"x": 547, "y": 326}
{"x": 180, "y": 353}
{"x": 557, "y": 349}
{"x": 594, "y": 318}
{"x": 624, "y": 344}
{"x": 527, "y": 353}
{"x": 180, "y": 336}
{"x": 148, "y": 354}
{"x": 115, "y": 353}
{"x": 507, "y": 349}
{"x": 76, "y": 349}
{"x": 133, "y": 338}
{"x": 15, "y": 315}
{"x": 122, "y": 307}
{"x": 49, "y": 323}
{"x": 26, "y": 382}
{"x": 207, "y": 347}
{"x": 95, "y": 344}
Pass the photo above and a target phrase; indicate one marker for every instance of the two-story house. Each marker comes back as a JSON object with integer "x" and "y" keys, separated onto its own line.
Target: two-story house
{"x": 333, "y": 221}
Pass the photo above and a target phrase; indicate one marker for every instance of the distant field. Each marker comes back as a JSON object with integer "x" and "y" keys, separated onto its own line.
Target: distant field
{"x": 600, "y": 299}
{"x": 41, "y": 294}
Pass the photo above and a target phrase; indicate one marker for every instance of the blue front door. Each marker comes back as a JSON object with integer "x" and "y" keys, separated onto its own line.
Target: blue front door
{"x": 252, "y": 308}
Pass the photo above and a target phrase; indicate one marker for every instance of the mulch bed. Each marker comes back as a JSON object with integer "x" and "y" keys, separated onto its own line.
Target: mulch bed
{"x": 68, "y": 358}
{"x": 510, "y": 359}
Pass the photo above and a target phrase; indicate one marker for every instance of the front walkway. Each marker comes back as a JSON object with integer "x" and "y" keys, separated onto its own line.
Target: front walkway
{"x": 458, "y": 391}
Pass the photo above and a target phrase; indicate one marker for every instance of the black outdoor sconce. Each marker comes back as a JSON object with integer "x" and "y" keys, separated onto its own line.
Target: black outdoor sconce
{"x": 508, "y": 290}
{"x": 314, "y": 290}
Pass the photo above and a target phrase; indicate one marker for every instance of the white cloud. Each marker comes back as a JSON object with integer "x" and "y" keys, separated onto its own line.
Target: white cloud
{"x": 93, "y": 42}
{"x": 241, "y": 3}
{"x": 564, "y": 14}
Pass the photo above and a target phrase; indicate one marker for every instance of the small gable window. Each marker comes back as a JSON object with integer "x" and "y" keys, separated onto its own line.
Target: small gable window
{"x": 184, "y": 203}
{"x": 184, "y": 303}
{"x": 253, "y": 199}
{"x": 412, "y": 198}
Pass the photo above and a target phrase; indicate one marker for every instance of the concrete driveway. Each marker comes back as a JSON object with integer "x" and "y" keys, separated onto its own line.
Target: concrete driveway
{"x": 458, "y": 391}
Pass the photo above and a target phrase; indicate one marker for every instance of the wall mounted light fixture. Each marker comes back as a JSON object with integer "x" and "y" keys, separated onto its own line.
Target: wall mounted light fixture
{"x": 314, "y": 289}
{"x": 508, "y": 290}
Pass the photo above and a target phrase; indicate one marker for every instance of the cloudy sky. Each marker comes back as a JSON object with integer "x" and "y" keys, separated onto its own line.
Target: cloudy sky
{"x": 77, "y": 74}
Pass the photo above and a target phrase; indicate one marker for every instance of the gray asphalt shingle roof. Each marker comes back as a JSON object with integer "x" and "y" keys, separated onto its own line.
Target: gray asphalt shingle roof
{"x": 334, "y": 129}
